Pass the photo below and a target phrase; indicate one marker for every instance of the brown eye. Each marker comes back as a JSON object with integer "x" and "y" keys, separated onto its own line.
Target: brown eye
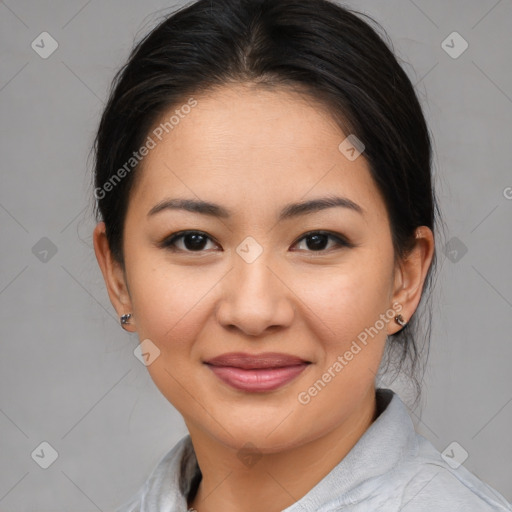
{"x": 317, "y": 241}
{"x": 187, "y": 241}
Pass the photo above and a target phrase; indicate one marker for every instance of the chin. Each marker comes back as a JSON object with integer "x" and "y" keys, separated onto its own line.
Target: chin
{"x": 265, "y": 432}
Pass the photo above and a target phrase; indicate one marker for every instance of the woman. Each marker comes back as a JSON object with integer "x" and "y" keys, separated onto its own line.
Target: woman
{"x": 267, "y": 228}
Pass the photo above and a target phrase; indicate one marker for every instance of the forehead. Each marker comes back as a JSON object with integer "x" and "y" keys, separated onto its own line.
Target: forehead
{"x": 244, "y": 145}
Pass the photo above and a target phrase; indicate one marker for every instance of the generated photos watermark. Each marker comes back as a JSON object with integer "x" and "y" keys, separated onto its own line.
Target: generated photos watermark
{"x": 151, "y": 142}
{"x": 305, "y": 397}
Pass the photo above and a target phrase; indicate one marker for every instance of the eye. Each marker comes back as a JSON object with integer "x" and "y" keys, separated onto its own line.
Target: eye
{"x": 197, "y": 241}
{"x": 189, "y": 241}
{"x": 316, "y": 241}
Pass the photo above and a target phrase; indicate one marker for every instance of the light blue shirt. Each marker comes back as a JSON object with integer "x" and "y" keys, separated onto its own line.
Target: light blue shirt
{"x": 390, "y": 469}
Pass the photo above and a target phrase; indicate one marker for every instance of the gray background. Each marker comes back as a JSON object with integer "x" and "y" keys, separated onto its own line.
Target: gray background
{"x": 68, "y": 375}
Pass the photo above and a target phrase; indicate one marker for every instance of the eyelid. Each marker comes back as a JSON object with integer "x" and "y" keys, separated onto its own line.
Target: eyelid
{"x": 168, "y": 243}
{"x": 340, "y": 239}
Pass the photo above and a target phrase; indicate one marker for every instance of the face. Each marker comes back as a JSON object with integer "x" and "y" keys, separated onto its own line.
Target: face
{"x": 256, "y": 276}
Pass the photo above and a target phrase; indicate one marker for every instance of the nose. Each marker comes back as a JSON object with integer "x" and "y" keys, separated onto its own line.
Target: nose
{"x": 255, "y": 298}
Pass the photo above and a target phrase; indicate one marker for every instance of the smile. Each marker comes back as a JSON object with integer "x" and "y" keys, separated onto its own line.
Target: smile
{"x": 257, "y": 373}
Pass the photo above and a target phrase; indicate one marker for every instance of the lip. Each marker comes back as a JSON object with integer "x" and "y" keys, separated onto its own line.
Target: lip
{"x": 257, "y": 373}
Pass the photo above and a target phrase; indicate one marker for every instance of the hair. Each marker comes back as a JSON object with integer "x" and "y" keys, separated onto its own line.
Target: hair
{"x": 315, "y": 47}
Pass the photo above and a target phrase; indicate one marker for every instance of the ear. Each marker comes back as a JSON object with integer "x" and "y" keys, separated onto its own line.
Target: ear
{"x": 113, "y": 274}
{"x": 410, "y": 274}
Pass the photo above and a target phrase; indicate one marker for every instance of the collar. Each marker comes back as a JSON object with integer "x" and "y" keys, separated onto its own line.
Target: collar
{"x": 389, "y": 439}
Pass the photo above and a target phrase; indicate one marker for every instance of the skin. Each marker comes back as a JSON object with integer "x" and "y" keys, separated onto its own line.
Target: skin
{"x": 254, "y": 151}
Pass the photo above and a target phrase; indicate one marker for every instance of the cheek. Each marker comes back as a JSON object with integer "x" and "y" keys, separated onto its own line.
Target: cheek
{"x": 350, "y": 303}
{"x": 155, "y": 304}
{"x": 167, "y": 300}
{"x": 346, "y": 301}
{"x": 169, "y": 304}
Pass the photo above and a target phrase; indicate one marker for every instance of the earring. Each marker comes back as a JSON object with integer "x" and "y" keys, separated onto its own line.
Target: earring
{"x": 125, "y": 320}
{"x": 400, "y": 320}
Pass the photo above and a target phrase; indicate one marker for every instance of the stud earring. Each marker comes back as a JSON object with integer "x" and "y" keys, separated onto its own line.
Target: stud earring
{"x": 125, "y": 319}
{"x": 399, "y": 319}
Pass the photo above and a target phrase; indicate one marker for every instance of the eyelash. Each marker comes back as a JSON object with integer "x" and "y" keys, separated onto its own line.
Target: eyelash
{"x": 169, "y": 242}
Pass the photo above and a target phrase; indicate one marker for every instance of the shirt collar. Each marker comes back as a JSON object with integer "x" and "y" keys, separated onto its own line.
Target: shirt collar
{"x": 390, "y": 438}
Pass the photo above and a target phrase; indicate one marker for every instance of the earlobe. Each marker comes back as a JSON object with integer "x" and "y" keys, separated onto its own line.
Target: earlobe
{"x": 113, "y": 274}
{"x": 411, "y": 273}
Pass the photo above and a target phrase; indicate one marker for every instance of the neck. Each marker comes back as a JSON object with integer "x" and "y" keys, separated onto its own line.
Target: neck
{"x": 272, "y": 482}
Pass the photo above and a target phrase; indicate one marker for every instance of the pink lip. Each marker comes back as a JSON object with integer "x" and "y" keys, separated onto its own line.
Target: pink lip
{"x": 257, "y": 373}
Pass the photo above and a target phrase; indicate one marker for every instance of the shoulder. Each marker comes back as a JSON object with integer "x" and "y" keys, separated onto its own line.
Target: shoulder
{"x": 433, "y": 484}
{"x": 392, "y": 468}
{"x": 165, "y": 480}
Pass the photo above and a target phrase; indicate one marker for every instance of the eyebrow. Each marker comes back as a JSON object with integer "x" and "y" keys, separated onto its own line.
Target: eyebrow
{"x": 289, "y": 211}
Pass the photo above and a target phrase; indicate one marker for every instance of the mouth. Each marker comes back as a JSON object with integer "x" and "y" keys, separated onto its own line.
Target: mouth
{"x": 257, "y": 373}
